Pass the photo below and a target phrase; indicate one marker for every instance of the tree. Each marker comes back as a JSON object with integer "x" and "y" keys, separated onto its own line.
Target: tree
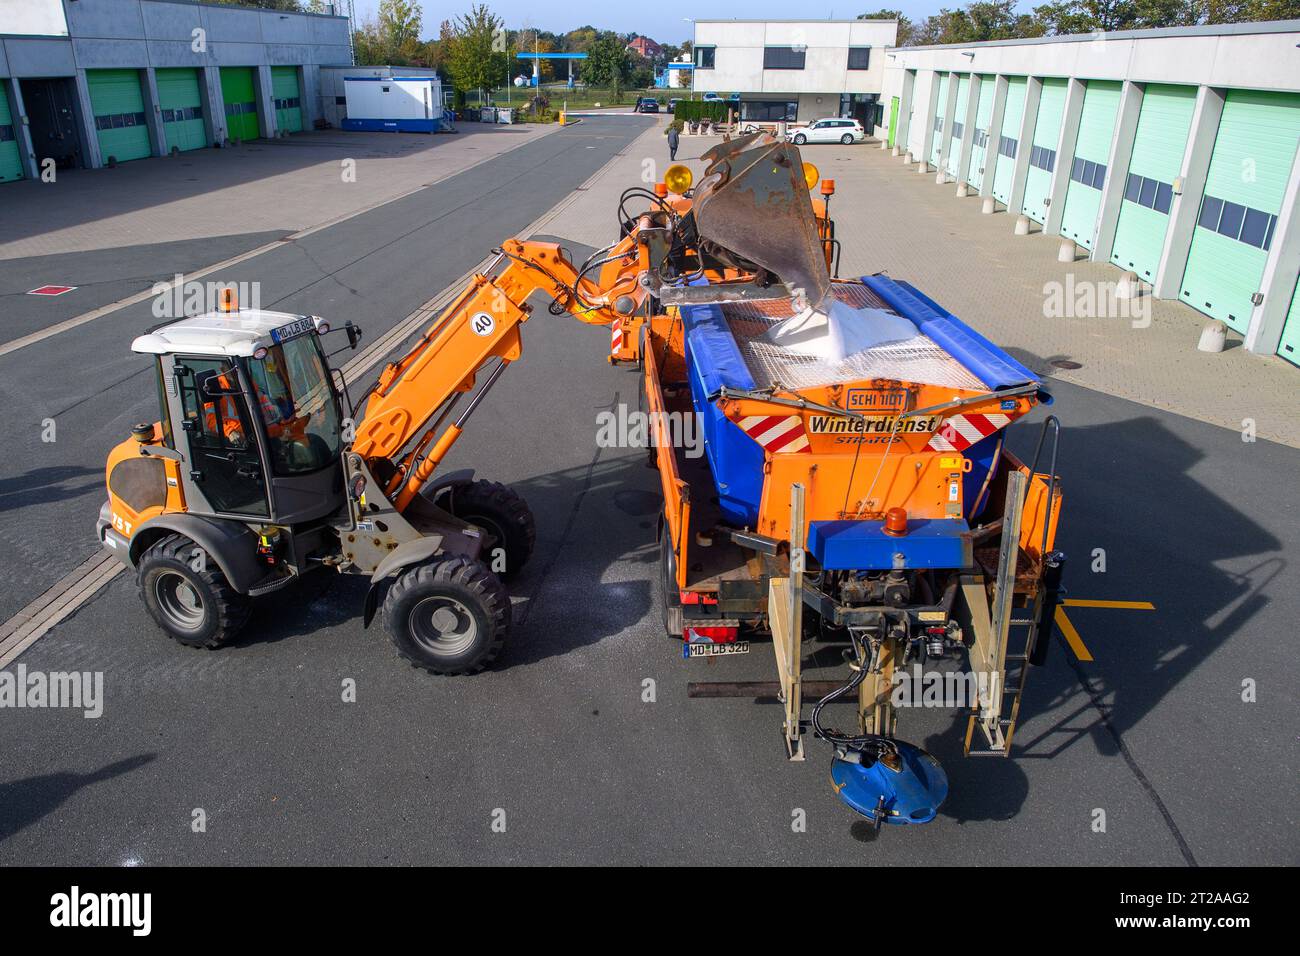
{"x": 906, "y": 32}
{"x": 608, "y": 63}
{"x": 400, "y": 24}
{"x": 475, "y": 50}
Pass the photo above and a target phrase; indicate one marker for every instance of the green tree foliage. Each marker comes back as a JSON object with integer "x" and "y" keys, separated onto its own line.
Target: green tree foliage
{"x": 475, "y": 49}
{"x": 608, "y": 63}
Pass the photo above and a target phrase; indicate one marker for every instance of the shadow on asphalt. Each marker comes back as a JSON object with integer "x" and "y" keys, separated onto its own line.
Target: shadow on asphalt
{"x": 43, "y": 485}
{"x": 145, "y": 183}
{"x": 564, "y": 578}
{"x": 28, "y": 800}
{"x": 1129, "y": 489}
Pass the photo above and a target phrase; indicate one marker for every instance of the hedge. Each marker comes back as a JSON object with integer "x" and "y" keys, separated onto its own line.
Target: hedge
{"x": 688, "y": 110}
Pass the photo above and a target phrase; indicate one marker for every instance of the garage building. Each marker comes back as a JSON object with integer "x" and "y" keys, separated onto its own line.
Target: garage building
{"x": 88, "y": 83}
{"x": 1171, "y": 154}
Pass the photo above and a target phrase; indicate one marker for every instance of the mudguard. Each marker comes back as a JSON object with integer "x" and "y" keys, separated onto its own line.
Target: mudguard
{"x": 232, "y": 545}
{"x": 403, "y": 556}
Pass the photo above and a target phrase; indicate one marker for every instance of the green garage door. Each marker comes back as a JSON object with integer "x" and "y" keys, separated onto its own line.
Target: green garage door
{"x": 1289, "y": 346}
{"x": 1157, "y": 160}
{"x": 239, "y": 90}
{"x": 958, "y": 125}
{"x": 288, "y": 98}
{"x": 980, "y": 134}
{"x": 940, "y": 105}
{"x": 1091, "y": 153}
{"x": 1008, "y": 142}
{"x": 1253, "y": 154}
{"x": 120, "y": 123}
{"x": 11, "y": 163}
{"x": 1042, "y": 155}
{"x": 182, "y": 108}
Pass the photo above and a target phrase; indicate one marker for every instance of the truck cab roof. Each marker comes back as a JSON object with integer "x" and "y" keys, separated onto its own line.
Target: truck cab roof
{"x": 226, "y": 334}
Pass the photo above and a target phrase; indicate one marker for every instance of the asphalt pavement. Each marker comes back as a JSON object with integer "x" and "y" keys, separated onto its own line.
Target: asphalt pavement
{"x": 582, "y": 741}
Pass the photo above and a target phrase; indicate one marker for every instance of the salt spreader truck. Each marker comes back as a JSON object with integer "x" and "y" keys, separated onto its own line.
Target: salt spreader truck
{"x": 855, "y": 491}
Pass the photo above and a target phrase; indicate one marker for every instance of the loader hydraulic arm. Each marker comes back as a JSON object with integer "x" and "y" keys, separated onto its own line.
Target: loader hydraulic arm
{"x": 483, "y": 322}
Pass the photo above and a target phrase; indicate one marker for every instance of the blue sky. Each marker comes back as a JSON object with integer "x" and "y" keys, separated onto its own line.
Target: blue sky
{"x": 662, "y": 20}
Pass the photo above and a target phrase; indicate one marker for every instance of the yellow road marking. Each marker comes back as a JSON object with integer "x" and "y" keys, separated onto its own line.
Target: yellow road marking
{"x": 1072, "y": 636}
{"x": 1129, "y": 605}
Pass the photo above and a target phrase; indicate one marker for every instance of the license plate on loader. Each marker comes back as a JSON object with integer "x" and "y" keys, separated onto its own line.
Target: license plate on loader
{"x": 714, "y": 650}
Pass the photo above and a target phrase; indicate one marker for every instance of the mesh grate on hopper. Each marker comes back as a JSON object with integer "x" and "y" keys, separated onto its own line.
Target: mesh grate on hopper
{"x": 918, "y": 359}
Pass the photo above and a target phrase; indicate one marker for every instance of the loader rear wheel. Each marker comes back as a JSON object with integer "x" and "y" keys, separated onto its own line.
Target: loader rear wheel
{"x": 500, "y": 511}
{"x": 188, "y": 595}
{"x": 448, "y": 616}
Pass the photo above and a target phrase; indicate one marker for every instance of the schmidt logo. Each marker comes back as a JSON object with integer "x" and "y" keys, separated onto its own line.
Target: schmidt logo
{"x": 103, "y": 909}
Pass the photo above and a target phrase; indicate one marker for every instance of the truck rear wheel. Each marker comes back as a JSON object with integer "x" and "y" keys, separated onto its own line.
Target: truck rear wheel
{"x": 448, "y": 616}
{"x": 671, "y": 602}
{"x": 501, "y": 512}
{"x": 188, "y": 595}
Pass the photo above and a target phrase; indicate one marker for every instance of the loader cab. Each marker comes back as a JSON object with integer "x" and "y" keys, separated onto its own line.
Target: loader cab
{"x": 251, "y": 409}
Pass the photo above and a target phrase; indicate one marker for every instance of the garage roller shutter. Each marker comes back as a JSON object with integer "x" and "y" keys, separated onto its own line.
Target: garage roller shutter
{"x": 288, "y": 98}
{"x": 1088, "y": 168}
{"x": 120, "y": 121}
{"x": 1289, "y": 346}
{"x": 1157, "y": 160}
{"x": 1254, "y": 152}
{"x": 940, "y": 105}
{"x": 11, "y": 164}
{"x": 1042, "y": 155}
{"x": 1007, "y": 140}
{"x": 239, "y": 91}
{"x": 980, "y": 133}
{"x": 182, "y": 108}
{"x": 958, "y": 125}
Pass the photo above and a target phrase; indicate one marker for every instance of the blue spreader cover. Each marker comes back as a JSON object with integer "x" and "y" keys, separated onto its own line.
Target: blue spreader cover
{"x": 735, "y": 459}
{"x": 864, "y": 546}
{"x": 992, "y": 366}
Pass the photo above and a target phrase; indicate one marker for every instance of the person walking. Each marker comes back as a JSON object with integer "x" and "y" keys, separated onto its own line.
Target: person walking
{"x": 672, "y": 144}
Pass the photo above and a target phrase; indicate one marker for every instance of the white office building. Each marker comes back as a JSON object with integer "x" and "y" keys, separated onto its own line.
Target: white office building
{"x": 795, "y": 70}
{"x": 1171, "y": 154}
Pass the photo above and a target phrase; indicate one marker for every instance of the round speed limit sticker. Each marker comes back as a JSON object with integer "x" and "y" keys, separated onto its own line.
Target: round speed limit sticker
{"x": 482, "y": 323}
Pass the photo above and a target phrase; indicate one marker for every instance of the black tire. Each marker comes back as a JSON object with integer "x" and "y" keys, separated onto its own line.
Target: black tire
{"x": 800, "y": 139}
{"x": 500, "y": 511}
{"x": 196, "y": 608}
{"x": 847, "y": 139}
{"x": 448, "y": 616}
{"x": 670, "y": 601}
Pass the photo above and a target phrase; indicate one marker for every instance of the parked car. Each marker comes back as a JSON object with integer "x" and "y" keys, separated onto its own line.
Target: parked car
{"x": 712, "y": 98}
{"x": 672, "y": 104}
{"x": 646, "y": 104}
{"x": 841, "y": 130}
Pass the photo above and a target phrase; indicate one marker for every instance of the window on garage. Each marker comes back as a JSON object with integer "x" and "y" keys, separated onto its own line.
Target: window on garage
{"x": 783, "y": 58}
{"x": 859, "y": 58}
{"x": 769, "y": 111}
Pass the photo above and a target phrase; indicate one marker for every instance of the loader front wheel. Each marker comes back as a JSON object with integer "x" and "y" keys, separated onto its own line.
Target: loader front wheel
{"x": 188, "y": 595}
{"x": 448, "y": 616}
{"x": 500, "y": 511}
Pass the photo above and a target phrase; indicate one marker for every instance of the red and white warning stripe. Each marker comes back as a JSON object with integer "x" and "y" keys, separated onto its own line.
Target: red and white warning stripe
{"x": 617, "y": 337}
{"x": 961, "y": 431}
{"x": 776, "y": 432}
